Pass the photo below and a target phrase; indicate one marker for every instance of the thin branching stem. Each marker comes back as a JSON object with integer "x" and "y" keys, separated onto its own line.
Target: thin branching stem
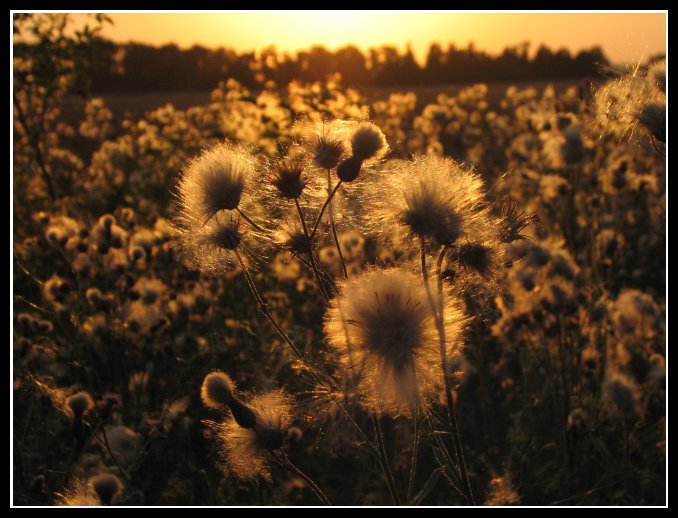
{"x": 415, "y": 452}
{"x": 249, "y": 220}
{"x": 113, "y": 457}
{"x": 440, "y": 324}
{"x": 263, "y": 307}
{"x": 384, "y": 460}
{"x": 35, "y": 144}
{"x": 284, "y": 460}
{"x": 322, "y": 210}
{"x": 333, "y": 226}
{"x": 310, "y": 252}
{"x": 267, "y": 313}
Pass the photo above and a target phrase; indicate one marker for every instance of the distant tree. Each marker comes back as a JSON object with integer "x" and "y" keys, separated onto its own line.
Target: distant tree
{"x": 139, "y": 67}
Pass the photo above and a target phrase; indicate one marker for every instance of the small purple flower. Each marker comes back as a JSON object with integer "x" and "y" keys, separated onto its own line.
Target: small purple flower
{"x": 109, "y": 401}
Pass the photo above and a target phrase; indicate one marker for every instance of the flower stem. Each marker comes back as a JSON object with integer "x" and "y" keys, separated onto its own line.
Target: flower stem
{"x": 415, "y": 451}
{"x": 384, "y": 460}
{"x": 334, "y": 228}
{"x": 322, "y": 210}
{"x": 440, "y": 324}
{"x": 247, "y": 218}
{"x": 267, "y": 313}
{"x": 310, "y": 252}
{"x": 287, "y": 463}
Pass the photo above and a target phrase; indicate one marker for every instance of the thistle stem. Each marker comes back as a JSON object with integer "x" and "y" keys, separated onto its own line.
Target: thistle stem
{"x": 334, "y": 228}
{"x": 113, "y": 457}
{"x": 415, "y": 451}
{"x": 310, "y": 252}
{"x": 247, "y": 218}
{"x": 287, "y": 463}
{"x": 322, "y": 210}
{"x": 267, "y": 313}
{"x": 384, "y": 461}
{"x": 439, "y": 320}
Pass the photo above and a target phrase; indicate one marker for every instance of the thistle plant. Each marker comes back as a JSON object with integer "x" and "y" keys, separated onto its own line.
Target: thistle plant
{"x": 458, "y": 304}
{"x": 397, "y": 338}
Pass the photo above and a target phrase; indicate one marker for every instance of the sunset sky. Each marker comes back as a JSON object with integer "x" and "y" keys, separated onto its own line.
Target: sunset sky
{"x": 624, "y": 37}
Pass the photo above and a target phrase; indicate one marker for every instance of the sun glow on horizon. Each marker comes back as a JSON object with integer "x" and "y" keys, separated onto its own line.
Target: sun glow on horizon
{"x": 624, "y": 37}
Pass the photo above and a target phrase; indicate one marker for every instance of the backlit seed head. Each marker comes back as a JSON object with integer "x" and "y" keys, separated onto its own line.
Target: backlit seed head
{"x": 245, "y": 449}
{"x": 477, "y": 257}
{"x": 368, "y": 142}
{"x": 383, "y": 327}
{"x": 217, "y": 390}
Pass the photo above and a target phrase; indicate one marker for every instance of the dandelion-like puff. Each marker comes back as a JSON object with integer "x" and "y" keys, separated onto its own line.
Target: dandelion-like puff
{"x": 394, "y": 343}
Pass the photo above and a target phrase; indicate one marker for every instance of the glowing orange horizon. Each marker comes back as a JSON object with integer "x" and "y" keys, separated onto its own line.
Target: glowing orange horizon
{"x": 624, "y": 37}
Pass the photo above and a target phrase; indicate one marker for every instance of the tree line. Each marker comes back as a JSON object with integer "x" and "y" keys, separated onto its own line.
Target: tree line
{"x": 140, "y": 67}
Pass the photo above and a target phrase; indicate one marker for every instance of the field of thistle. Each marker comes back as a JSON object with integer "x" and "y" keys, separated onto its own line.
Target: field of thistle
{"x": 306, "y": 298}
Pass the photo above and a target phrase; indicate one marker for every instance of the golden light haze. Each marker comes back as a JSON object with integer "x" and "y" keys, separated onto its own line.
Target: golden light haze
{"x": 624, "y": 37}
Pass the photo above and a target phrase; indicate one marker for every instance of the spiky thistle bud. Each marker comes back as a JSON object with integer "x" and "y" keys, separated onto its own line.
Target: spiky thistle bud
{"x": 287, "y": 179}
{"x": 327, "y": 152}
{"x": 514, "y": 220}
{"x": 349, "y": 169}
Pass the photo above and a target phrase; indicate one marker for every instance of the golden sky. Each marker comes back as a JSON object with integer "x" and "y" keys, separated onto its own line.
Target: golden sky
{"x": 624, "y": 37}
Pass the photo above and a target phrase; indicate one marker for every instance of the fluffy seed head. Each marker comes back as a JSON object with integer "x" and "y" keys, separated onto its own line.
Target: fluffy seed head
{"x": 290, "y": 237}
{"x": 634, "y": 316}
{"x": 368, "y": 142}
{"x": 383, "y": 328}
{"x": 80, "y": 403}
{"x": 217, "y": 390}
{"x": 244, "y": 451}
{"x": 211, "y": 247}
{"x": 106, "y": 486}
{"x": 216, "y": 180}
{"x": 210, "y": 231}
{"x": 633, "y": 102}
{"x": 623, "y": 394}
{"x": 226, "y": 236}
{"x": 431, "y": 199}
{"x": 79, "y": 494}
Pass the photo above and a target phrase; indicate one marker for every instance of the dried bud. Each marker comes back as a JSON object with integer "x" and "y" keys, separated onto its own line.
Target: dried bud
{"x": 328, "y": 152}
{"x": 349, "y": 169}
